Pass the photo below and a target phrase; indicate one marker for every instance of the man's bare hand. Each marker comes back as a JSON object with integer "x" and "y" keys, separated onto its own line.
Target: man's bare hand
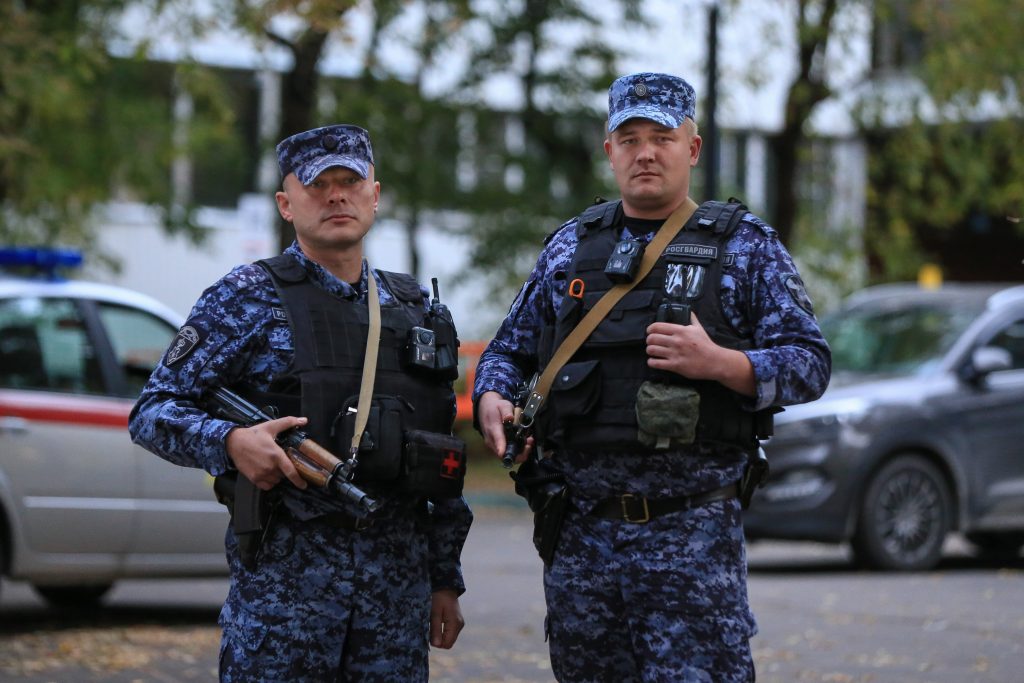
{"x": 687, "y": 350}
{"x": 493, "y": 412}
{"x": 445, "y": 618}
{"x": 257, "y": 456}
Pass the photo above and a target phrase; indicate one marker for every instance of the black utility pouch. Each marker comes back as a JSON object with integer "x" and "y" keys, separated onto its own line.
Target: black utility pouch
{"x": 380, "y": 451}
{"x": 755, "y": 475}
{"x": 435, "y": 464}
{"x": 547, "y": 523}
{"x": 547, "y": 495}
{"x": 576, "y": 389}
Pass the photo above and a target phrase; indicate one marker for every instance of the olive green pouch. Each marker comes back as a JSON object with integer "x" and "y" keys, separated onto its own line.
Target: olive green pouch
{"x": 666, "y": 415}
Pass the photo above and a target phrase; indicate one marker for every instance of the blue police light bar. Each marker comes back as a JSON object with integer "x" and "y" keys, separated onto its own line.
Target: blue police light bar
{"x": 42, "y": 260}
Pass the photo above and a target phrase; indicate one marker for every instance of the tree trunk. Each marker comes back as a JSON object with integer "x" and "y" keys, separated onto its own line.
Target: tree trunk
{"x": 807, "y": 90}
{"x": 298, "y": 101}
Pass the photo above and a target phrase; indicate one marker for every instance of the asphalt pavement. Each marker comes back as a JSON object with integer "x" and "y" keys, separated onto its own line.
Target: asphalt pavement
{"x": 820, "y": 620}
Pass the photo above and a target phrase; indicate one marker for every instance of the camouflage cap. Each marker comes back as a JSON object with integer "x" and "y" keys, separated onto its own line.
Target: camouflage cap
{"x": 309, "y": 154}
{"x": 661, "y": 98}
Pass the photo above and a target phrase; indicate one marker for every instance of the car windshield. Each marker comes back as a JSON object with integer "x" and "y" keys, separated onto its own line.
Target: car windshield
{"x": 895, "y": 338}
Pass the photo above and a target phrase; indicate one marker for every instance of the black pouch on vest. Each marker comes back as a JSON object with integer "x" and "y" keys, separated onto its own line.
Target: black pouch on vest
{"x": 380, "y": 452}
{"x": 547, "y": 495}
{"x": 575, "y": 393}
{"x": 576, "y": 389}
{"x": 435, "y": 464}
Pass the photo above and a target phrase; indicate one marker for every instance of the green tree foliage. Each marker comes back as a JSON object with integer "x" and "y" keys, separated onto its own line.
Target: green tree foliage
{"x": 814, "y": 28}
{"x": 540, "y": 163}
{"x": 49, "y": 57}
{"x": 952, "y": 166}
{"x": 79, "y": 126}
{"x": 514, "y": 174}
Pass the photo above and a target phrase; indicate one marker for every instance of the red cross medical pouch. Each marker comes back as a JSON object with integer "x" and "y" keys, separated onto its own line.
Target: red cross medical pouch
{"x": 435, "y": 464}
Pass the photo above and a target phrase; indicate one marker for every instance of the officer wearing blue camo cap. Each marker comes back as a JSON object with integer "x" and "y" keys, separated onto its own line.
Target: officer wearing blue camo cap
{"x": 309, "y": 154}
{"x": 638, "y": 451}
{"x": 326, "y": 591}
{"x": 661, "y": 98}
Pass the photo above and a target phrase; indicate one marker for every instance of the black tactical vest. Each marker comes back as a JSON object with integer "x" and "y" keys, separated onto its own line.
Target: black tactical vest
{"x": 592, "y": 402}
{"x": 323, "y": 380}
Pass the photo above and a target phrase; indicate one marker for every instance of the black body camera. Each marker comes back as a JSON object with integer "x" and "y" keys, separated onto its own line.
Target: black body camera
{"x": 625, "y": 261}
{"x": 420, "y": 350}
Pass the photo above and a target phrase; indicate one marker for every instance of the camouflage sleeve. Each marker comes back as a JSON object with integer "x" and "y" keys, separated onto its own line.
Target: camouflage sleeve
{"x": 512, "y": 354}
{"x": 450, "y": 522}
{"x": 791, "y": 359}
{"x": 212, "y": 348}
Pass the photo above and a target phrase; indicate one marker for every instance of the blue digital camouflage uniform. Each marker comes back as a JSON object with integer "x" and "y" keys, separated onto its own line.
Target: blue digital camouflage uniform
{"x": 666, "y": 600}
{"x": 324, "y": 603}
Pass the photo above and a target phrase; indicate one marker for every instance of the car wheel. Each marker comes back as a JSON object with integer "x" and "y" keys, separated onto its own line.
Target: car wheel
{"x": 70, "y": 597}
{"x": 906, "y": 513}
{"x": 994, "y": 545}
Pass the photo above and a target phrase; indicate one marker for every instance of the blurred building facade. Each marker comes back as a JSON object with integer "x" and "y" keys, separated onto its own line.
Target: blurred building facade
{"x": 234, "y": 184}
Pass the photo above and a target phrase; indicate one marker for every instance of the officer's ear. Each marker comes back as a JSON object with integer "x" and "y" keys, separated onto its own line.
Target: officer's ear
{"x": 284, "y": 205}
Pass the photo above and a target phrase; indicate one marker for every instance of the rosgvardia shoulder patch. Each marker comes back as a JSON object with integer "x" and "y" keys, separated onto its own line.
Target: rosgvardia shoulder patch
{"x": 798, "y": 293}
{"x": 182, "y": 345}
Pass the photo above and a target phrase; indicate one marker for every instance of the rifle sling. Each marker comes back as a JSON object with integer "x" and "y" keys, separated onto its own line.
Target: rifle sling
{"x": 369, "y": 362}
{"x": 666, "y": 233}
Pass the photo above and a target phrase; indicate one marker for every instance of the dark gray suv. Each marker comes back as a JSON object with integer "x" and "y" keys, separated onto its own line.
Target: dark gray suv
{"x": 921, "y": 431}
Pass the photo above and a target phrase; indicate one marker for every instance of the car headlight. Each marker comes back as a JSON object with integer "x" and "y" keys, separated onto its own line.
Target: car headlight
{"x": 799, "y": 483}
{"x": 821, "y": 420}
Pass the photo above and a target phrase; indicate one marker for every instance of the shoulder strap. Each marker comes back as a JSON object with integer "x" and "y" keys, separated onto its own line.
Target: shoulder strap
{"x": 719, "y": 217}
{"x": 403, "y": 286}
{"x": 669, "y": 229}
{"x": 369, "y": 364}
{"x": 285, "y": 267}
{"x": 600, "y": 215}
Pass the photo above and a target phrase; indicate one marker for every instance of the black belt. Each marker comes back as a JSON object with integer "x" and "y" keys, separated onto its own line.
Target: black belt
{"x": 640, "y": 510}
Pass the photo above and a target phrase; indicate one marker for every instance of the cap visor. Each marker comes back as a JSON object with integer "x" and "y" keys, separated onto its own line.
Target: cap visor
{"x": 308, "y": 173}
{"x": 656, "y": 114}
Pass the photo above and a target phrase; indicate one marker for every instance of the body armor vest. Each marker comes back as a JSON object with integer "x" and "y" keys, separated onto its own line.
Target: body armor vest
{"x": 592, "y": 402}
{"x": 323, "y": 380}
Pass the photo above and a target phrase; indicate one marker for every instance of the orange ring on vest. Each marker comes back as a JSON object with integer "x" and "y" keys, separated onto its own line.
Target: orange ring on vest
{"x": 576, "y": 289}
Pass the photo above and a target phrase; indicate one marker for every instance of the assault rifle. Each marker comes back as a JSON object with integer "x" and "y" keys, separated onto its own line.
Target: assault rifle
{"x": 314, "y": 462}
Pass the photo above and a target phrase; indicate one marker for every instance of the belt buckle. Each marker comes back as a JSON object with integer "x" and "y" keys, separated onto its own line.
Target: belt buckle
{"x": 624, "y": 501}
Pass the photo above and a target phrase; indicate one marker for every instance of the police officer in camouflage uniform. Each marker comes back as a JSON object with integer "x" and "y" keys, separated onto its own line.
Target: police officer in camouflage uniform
{"x": 648, "y": 578}
{"x": 335, "y": 595}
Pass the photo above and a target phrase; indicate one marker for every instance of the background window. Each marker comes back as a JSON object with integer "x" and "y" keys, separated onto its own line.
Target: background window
{"x": 44, "y": 345}
{"x": 139, "y": 340}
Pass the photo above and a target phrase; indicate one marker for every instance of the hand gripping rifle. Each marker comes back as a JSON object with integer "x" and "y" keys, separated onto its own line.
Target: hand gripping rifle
{"x": 314, "y": 462}
{"x": 524, "y": 407}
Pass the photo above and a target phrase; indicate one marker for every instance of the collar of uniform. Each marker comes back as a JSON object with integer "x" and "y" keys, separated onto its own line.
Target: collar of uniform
{"x": 642, "y": 229}
{"x": 327, "y": 280}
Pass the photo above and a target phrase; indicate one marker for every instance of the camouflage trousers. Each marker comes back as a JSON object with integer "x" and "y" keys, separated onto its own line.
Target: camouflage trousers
{"x": 329, "y": 605}
{"x": 662, "y": 601}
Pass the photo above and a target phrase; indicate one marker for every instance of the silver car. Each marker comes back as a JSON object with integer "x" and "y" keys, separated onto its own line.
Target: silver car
{"x": 80, "y": 505}
{"x": 920, "y": 433}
